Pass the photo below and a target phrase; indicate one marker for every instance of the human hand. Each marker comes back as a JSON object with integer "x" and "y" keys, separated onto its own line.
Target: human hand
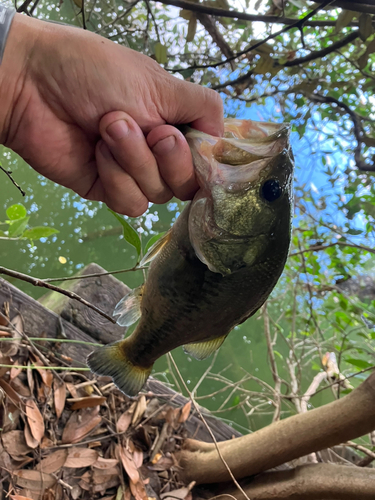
{"x": 69, "y": 92}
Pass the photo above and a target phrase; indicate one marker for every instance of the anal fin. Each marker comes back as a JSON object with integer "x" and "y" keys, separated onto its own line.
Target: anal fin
{"x": 129, "y": 307}
{"x": 201, "y": 350}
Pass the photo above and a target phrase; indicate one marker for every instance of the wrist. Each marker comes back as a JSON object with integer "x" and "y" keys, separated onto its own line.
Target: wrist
{"x": 13, "y": 70}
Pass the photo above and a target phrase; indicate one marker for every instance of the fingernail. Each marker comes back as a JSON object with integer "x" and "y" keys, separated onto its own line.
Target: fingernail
{"x": 118, "y": 130}
{"x": 164, "y": 146}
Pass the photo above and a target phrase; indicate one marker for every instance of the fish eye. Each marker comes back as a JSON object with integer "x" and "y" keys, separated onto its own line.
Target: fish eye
{"x": 271, "y": 190}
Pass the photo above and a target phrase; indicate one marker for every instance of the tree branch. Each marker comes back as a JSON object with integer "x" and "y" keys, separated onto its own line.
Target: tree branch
{"x": 234, "y": 14}
{"x": 284, "y": 440}
{"x": 43, "y": 284}
{"x": 9, "y": 174}
{"x": 311, "y": 482}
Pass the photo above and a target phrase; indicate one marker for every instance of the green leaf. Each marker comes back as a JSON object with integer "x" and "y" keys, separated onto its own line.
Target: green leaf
{"x": 161, "y": 53}
{"x": 343, "y": 19}
{"x": 236, "y": 400}
{"x": 130, "y": 234}
{"x": 359, "y": 363}
{"x": 278, "y": 354}
{"x": 152, "y": 240}
{"x": 35, "y": 233}
{"x": 365, "y": 26}
{"x": 192, "y": 28}
{"x": 17, "y": 227}
{"x": 17, "y": 211}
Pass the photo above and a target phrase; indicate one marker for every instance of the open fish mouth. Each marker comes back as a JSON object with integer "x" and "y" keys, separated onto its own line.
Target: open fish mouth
{"x": 248, "y": 146}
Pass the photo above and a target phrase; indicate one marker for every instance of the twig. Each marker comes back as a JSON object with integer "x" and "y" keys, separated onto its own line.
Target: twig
{"x": 9, "y": 174}
{"x": 271, "y": 355}
{"x": 297, "y": 24}
{"x": 94, "y": 275}
{"x": 317, "y": 248}
{"x": 43, "y": 284}
{"x": 234, "y": 14}
{"x": 207, "y": 427}
{"x": 38, "y": 367}
{"x": 363, "y": 449}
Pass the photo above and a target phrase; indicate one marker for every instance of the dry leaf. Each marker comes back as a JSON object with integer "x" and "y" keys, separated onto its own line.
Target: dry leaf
{"x": 138, "y": 458}
{"x": 10, "y": 392}
{"x": 138, "y": 490}
{"x": 123, "y": 422}
{"x": 46, "y": 375}
{"x": 35, "y": 420}
{"x": 30, "y": 440}
{"x": 59, "y": 391}
{"x": 139, "y": 409}
{"x": 181, "y": 494}
{"x": 14, "y": 372}
{"x": 81, "y": 457}
{"x": 88, "y": 402}
{"x": 19, "y": 497}
{"x": 20, "y": 388}
{"x": 30, "y": 378}
{"x": 164, "y": 463}
{"x": 128, "y": 463}
{"x": 185, "y": 412}
{"x": 72, "y": 390}
{"x": 80, "y": 423}
{"x": 4, "y": 360}
{"x": 105, "y": 463}
{"x": 34, "y": 480}
{"x": 100, "y": 480}
{"x": 53, "y": 462}
{"x": 14, "y": 443}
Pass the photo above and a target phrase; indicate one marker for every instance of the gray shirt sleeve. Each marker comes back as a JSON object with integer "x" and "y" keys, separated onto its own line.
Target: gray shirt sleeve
{"x": 6, "y": 17}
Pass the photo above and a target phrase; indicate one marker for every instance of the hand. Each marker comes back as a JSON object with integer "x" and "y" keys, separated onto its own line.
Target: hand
{"x": 94, "y": 116}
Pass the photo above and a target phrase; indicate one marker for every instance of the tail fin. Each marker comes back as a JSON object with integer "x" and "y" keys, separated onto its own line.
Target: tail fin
{"x": 111, "y": 360}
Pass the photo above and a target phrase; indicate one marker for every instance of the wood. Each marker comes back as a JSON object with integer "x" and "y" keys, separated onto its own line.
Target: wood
{"x": 42, "y": 322}
{"x": 103, "y": 291}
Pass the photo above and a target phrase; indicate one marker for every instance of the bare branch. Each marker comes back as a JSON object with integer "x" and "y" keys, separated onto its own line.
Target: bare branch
{"x": 9, "y": 174}
{"x": 43, "y": 284}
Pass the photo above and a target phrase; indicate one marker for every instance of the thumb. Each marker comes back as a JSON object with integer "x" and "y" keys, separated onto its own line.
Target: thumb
{"x": 190, "y": 103}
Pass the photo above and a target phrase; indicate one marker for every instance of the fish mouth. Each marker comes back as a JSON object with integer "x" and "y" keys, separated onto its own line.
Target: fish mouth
{"x": 241, "y": 155}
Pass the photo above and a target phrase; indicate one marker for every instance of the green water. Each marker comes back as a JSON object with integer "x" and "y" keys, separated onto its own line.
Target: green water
{"x": 53, "y": 205}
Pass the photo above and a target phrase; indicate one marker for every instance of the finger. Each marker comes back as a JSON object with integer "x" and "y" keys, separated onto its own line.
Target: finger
{"x": 129, "y": 147}
{"x": 200, "y": 106}
{"x": 118, "y": 189}
{"x": 174, "y": 160}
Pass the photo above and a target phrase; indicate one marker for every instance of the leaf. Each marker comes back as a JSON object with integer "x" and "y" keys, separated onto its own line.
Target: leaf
{"x": 80, "y": 424}
{"x": 138, "y": 490}
{"x": 139, "y": 410}
{"x": 59, "y": 393}
{"x": 105, "y": 463}
{"x": 81, "y": 457}
{"x": 152, "y": 240}
{"x": 35, "y": 233}
{"x": 30, "y": 440}
{"x": 35, "y": 420}
{"x": 18, "y": 227}
{"x": 14, "y": 443}
{"x": 19, "y": 497}
{"x": 360, "y": 363}
{"x": 124, "y": 421}
{"x": 161, "y": 53}
{"x": 185, "y": 412}
{"x": 88, "y": 402}
{"x": 15, "y": 212}
{"x": 53, "y": 462}
{"x": 34, "y": 480}
{"x": 365, "y": 26}
{"x": 130, "y": 234}
{"x": 128, "y": 463}
{"x": 343, "y": 19}
{"x": 10, "y": 392}
{"x": 192, "y": 29}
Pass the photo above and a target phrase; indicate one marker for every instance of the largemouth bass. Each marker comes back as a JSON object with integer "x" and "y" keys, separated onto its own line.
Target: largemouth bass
{"x": 221, "y": 259}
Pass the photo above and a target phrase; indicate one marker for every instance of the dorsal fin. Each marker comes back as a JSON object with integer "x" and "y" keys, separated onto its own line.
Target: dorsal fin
{"x": 156, "y": 248}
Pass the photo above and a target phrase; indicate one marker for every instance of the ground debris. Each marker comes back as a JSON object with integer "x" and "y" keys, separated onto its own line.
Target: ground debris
{"x": 66, "y": 437}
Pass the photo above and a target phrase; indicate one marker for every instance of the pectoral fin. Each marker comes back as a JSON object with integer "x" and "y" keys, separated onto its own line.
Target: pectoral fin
{"x": 129, "y": 307}
{"x": 156, "y": 248}
{"x": 201, "y": 350}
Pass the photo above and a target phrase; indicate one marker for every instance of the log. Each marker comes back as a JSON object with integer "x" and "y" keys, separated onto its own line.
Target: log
{"x": 103, "y": 291}
{"x": 42, "y": 322}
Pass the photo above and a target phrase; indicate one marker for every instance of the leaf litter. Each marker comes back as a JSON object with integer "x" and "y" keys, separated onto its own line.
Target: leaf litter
{"x": 64, "y": 439}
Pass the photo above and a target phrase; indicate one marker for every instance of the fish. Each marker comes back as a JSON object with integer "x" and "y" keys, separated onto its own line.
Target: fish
{"x": 220, "y": 260}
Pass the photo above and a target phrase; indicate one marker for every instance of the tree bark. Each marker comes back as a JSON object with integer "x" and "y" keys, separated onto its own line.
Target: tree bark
{"x": 335, "y": 423}
{"x": 310, "y": 482}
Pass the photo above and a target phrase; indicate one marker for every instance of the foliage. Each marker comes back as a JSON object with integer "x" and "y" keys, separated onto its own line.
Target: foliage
{"x": 18, "y": 226}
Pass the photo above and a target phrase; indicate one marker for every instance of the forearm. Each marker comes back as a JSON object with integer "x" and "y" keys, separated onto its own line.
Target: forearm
{"x": 13, "y": 69}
